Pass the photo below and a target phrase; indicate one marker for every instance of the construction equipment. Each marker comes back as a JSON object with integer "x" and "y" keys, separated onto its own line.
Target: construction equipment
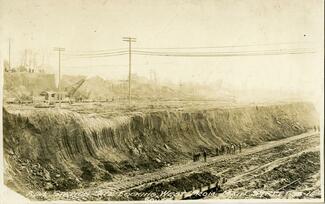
{"x": 73, "y": 89}
{"x": 50, "y": 98}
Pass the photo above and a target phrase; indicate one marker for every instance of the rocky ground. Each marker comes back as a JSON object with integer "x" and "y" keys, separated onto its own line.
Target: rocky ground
{"x": 288, "y": 177}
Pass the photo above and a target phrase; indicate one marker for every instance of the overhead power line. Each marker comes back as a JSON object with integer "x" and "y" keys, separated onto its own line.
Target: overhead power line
{"x": 225, "y": 54}
{"x": 198, "y": 54}
{"x": 224, "y": 46}
{"x": 112, "y": 51}
{"x": 97, "y": 55}
{"x": 94, "y": 52}
{"x": 216, "y": 52}
{"x": 115, "y": 65}
{"x": 204, "y": 52}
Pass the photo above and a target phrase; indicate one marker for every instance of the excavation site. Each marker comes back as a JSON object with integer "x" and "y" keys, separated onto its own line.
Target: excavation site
{"x": 170, "y": 101}
{"x": 91, "y": 153}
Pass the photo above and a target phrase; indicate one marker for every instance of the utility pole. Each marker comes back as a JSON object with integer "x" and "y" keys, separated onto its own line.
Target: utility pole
{"x": 59, "y": 49}
{"x": 9, "y": 61}
{"x": 129, "y": 40}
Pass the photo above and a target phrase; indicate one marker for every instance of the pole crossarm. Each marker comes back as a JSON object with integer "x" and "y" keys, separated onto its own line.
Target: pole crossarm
{"x": 59, "y": 49}
{"x": 129, "y": 39}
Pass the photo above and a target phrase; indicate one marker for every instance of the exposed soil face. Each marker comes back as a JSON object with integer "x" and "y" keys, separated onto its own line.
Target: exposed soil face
{"x": 226, "y": 167}
{"x": 48, "y": 150}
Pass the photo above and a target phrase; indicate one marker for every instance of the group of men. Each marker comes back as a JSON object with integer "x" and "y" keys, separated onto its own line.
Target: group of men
{"x": 223, "y": 149}
{"x": 228, "y": 149}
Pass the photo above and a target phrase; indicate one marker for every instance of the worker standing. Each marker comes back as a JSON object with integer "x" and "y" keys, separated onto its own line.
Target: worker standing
{"x": 205, "y": 155}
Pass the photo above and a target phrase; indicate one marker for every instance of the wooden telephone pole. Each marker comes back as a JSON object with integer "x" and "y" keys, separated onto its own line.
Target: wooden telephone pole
{"x": 9, "y": 61}
{"x": 129, "y": 40}
{"x": 59, "y": 49}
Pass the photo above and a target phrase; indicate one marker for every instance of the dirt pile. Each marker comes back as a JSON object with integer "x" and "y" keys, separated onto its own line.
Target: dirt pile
{"x": 66, "y": 149}
{"x": 24, "y": 85}
{"x": 142, "y": 89}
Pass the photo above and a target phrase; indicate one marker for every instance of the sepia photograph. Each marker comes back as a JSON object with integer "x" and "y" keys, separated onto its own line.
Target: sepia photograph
{"x": 152, "y": 101}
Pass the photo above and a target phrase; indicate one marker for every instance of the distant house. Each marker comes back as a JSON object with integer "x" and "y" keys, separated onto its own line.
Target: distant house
{"x": 48, "y": 95}
{"x": 51, "y": 96}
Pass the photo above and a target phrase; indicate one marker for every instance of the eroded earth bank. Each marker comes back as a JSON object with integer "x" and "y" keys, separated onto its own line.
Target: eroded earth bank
{"x": 69, "y": 155}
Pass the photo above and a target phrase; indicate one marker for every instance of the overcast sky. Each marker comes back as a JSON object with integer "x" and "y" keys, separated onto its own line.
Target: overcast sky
{"x": 84, "y": 25}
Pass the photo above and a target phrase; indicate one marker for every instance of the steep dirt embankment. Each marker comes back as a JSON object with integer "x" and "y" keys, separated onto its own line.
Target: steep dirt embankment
{"x": 60, "y": 149}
